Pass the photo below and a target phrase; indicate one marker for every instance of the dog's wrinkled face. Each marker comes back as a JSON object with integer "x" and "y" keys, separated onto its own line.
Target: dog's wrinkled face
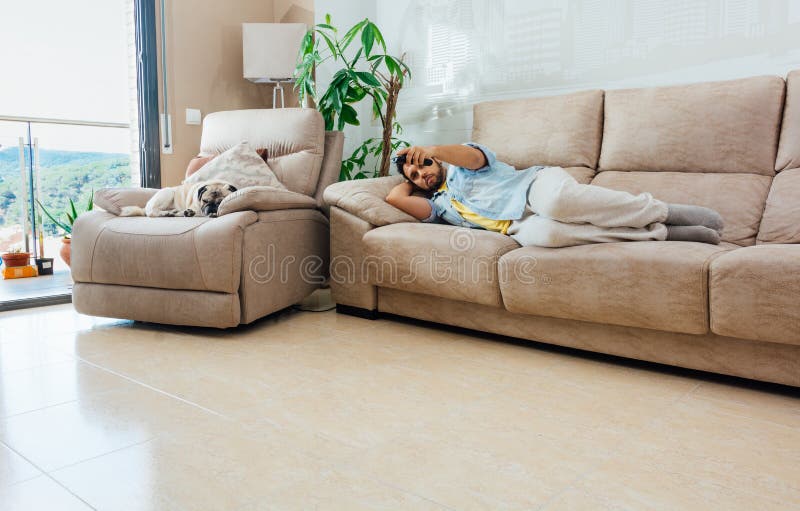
{"x": 210, "y": 195}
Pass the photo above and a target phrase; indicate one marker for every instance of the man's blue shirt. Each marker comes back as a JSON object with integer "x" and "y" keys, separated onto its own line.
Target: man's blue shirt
{"x": 497, "y": 191}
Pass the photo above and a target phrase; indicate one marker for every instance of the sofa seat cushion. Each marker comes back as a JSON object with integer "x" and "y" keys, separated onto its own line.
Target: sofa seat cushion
{"x": 755, "y": 293}
{"x": 198, "y": 253}
{"x": 739, "y": 198}
{"x": 650, "y": 284}
{"x": 435, "y": 259}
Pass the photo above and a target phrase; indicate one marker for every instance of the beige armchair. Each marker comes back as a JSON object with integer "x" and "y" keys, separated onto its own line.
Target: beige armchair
{"x": 217, "y": 272}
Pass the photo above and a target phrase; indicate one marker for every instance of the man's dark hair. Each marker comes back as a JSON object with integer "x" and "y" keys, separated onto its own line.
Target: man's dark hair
{"x": 400, "y": 165}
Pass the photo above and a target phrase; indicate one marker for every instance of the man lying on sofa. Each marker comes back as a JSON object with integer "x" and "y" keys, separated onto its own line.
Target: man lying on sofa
{"x": 542, "y": 206}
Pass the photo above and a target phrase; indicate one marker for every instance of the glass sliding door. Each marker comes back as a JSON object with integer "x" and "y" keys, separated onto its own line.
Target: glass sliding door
{"x": 68, "y": 122}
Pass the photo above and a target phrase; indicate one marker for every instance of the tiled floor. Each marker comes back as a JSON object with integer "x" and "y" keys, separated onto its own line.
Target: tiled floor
{"x": 323, "y": 411}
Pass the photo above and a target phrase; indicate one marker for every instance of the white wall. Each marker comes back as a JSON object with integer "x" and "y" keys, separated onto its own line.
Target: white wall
{"x": 466, "y": 51}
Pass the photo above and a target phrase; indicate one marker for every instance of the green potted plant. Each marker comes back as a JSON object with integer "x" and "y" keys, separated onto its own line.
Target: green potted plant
{"x": 71, "y": 214}
{"x": 367, "y": 73}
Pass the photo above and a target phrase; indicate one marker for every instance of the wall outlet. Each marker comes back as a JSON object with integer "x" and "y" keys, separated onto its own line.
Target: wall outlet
{"x": 192, "y": 116}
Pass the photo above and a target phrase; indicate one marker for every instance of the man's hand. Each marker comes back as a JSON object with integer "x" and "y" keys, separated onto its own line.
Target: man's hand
{"x": 416, "y": 154}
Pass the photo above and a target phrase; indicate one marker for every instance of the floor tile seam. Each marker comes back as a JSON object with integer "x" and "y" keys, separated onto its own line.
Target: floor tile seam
{"x": 27, "y": 330}
{"x": 682, "y": 452}
{"x": 249, "y": 432}
{"x": 69, "y": 358}
{"x": 349, "y": 465}
{"x": 745, "y": 416}
{"x": 795, "y": 429}
{"x": 755, "y": 387}
{"x": 795, "y": 409}
{"x": 328, "y": 436}
{"x": 68, "y": 490}
{"x": 51, "y": 405}
{"x": 497, "y": 366}
{"x": 42, "y": 473}
{"x": 633, "y": 433}
{"x": 689, "y": 395}
{"x": 107, "y": 453}
{"x": 581, "y": 476}
{"x": 575, "y": 486}
{"x": 154, "y": 389}
{"x": 618, "y": 452}
{"x": 38, "y": 469}
{"x": 376, "y": 479}
{"x": 736, "y": 489}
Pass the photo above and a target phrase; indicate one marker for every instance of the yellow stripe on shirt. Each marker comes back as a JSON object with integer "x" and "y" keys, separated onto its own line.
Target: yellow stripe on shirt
{"x": 500, "y": 226}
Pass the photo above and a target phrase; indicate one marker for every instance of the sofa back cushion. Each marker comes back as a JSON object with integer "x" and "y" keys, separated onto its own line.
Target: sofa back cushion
{"x": 722, "y": 127}
{"x": 781, "y": 221}
{"x": 739, "y": 198}
{"x": 789, "y": 148}
{"x": 293, "y": 137}
{"x": 555, "y": 130}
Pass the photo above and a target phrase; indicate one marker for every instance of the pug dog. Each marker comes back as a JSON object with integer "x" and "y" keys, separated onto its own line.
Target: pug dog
{"x": 188, "y": 199}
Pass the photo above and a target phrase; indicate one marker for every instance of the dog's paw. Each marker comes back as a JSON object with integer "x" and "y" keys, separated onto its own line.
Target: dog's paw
{"x": 188, "y": 212}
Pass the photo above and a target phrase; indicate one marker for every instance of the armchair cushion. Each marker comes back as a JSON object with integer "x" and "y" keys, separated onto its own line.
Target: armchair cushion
{"x": 364, "y": 198}
{"x": 194, "y": 253}
{"x": 113, "y": 199}
{"x": 241, "y": 166}
{"x": 265, "y": 198}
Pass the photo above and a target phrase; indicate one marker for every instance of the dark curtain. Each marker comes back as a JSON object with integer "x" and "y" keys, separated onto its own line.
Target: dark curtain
{"x": 147, "y": 92}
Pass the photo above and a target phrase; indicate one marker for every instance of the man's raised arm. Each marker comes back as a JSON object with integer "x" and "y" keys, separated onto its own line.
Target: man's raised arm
{"x": 456, "y": 154}
{"x": 401, "y": 198}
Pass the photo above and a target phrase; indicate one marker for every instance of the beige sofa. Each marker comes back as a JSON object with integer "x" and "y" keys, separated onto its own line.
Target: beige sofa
{"x": 734, "y": 308}
{"x": 224, "y": 271}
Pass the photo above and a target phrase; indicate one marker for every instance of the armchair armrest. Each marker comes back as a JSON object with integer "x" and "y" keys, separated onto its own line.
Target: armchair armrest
{"x": 265, "y": 198}
{"x": 365, "y": 198}
{"x": 114, "y": 199}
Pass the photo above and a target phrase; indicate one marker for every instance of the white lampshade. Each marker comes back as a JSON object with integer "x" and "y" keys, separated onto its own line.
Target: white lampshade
{"x": 270, "y": 50}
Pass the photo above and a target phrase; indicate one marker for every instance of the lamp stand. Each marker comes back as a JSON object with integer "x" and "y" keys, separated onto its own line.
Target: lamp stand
{"x": 278, "y": 87}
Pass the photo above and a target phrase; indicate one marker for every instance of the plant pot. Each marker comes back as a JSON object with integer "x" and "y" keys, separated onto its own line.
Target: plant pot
{"x": 65, "y": 250}
{"x": 20, "y": 259}
{"x": 44, "y": 266}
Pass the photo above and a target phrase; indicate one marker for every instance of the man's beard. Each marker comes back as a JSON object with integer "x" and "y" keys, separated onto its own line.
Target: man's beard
{"x": 438, "y": 182}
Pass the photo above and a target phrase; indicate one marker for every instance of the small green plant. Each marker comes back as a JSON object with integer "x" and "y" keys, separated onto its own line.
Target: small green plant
{"x": 71, "y": 214}
{"x": 377, "y": 75}
{"x": 352, "y": 166}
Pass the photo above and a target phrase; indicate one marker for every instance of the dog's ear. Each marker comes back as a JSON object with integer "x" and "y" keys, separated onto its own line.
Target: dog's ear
{"x": 201, "y": 191}
{"x": 232, "y": 188}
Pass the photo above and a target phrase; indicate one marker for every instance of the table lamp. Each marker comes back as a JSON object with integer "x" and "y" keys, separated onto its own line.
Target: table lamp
{"x": 270, "y": 53}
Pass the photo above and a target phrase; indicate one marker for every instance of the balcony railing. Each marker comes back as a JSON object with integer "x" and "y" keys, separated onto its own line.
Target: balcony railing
{"x": 52, "y": 161}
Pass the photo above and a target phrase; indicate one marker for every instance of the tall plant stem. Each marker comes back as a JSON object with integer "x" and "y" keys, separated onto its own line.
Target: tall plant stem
{"x": 393, "y": 89}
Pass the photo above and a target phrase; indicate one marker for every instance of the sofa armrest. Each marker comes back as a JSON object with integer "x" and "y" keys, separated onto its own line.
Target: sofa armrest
{"x": 264, "y": 198}
{"x": 114, "y": 199}
{"x": 365, "y": 198}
